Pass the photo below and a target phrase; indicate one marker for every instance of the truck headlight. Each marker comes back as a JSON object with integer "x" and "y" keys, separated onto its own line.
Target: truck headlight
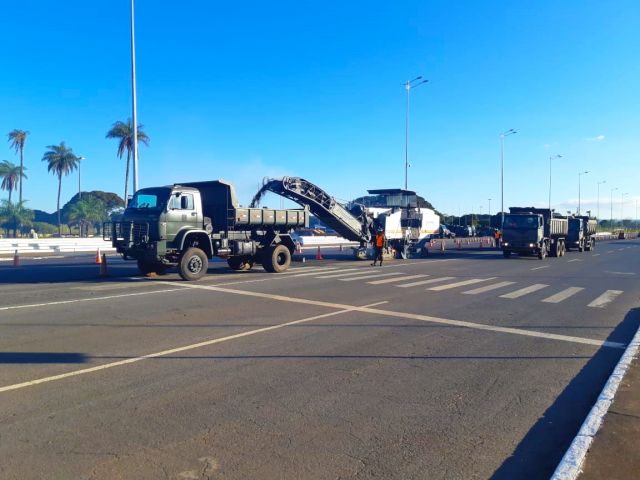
{"x": 531, "y": 245}
{"x": 506, "y": 244}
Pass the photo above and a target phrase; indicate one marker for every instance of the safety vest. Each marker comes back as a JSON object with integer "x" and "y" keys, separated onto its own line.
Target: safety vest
{"x": 380, "y": 240}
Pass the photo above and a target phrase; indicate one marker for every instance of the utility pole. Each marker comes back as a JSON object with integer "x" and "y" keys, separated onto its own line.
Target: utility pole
{"x": 511, "y": 131}
{"x": 580, "y": 175}
{"x": 79, "y": 189}
{"x": 598, "y": 209}
{"x": 611, "y": 204}
{"x": 133, "y": 103}
{"x": 408, "y": 85}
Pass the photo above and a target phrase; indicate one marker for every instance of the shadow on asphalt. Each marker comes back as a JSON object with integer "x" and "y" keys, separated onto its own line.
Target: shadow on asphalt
{"x": 41, "y": 357}
{"x": 542, "y": 448}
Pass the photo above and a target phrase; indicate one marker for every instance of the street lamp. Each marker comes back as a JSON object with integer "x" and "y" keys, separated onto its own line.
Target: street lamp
{"x": 133, "y": 104}
{"x": 551, "y": 158}
{"x": 489, "y": 208}
{"x": 79, "y": 190}
{"x": 511, "y": 131}
{"x": 580, "y": 175}
{"x": 598, "y": 209}
{"x": 611, "y": 204}
{"x": 408, "y": 85}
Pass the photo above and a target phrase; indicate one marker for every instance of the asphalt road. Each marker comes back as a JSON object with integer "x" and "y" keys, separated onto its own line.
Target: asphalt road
{"x": 463, "y": 365}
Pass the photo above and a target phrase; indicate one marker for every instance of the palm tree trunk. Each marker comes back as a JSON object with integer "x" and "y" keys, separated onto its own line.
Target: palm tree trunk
{"x": 9, "y": 196}
{"x": 59, "y": 190}
{"x": 21, "y": 170}
{"x": 126, "y": 178}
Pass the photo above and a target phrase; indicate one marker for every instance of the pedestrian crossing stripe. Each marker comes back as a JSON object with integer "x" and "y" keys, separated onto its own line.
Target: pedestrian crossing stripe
{"x": 460, "y": 284}
{"x": 563, "y": 295}
{"x": 524, "y": 291}
{"x": 424, "y": 282}
{"x": 391, "y": 280}
{"x": 488, "y": 288}
{"x": 372, "y": 275}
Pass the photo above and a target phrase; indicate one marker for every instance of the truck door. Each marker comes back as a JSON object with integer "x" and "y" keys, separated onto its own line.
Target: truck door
{"x": 182, "y": 212}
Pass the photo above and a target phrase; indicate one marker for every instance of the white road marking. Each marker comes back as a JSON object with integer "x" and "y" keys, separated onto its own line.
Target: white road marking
{"x": 424, "y": 282}
{"x": 574, "y": 260}
{"x": 405, "y": 315}
{"x": 539, "y": 268}
{"x": 460, "y": 284}
{"x": 595, "y": 255}
{"x": 391, "y": 280}
{"x": 164, "y": 353}
{"x": 610, "y": 251}
{"x": 563, "y": 295}
{"x": 112, "y": 286}
{"x": 488, "y": 288}
{"x": 94, "y": 299}
{"x": 314, "y": 272}
{"x": 345, "y": 272}
{"x": 620, "y": 273}
{"x": 604, "y": 299}
{"x": 373, "y": 275}
{"x": 525, "y": 291}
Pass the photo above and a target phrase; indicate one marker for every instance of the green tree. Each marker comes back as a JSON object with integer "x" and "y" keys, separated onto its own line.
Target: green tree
{"x": 87, "y": 212}
{"x": 17, "y": 139}
{"x": 123, "y": 132}
{"x": 10, "y": 175}
{"x": 15, "y": 215}
{"x": 61, "y": 161}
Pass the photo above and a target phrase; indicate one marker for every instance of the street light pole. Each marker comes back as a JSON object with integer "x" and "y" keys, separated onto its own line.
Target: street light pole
{"x": 408, "y": 85}
{"x": 598, "y": 208}
{"x": 611, "y": 204}
{"x": 79, "y": 189}
{"x": 489, "y": 208}
{"x": 511, "y": 131}
{"x": 133, "y": 103}
{"x": 551, "y": 158}
{"x": 580, "y": 175}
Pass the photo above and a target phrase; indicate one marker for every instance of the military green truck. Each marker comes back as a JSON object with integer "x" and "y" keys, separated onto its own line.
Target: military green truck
{"x": 534, "y": 231}
{"x": 184, "y": 225}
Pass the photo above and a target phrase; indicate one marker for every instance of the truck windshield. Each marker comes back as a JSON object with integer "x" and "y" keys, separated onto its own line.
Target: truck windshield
{"x": 151, "y": 198}
{"x": 520, "y": 221}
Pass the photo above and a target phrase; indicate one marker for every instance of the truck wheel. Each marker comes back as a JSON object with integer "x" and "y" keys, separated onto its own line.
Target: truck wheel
{"x": 277, "y": 259}
{"x": 506, "y": 253}
{"x": 542, "y": 253}
{"x": 193, "y": 264}
{"x": 152, "y": 267}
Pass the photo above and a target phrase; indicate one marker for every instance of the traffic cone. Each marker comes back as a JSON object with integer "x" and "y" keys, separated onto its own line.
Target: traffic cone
{"x": 319, "y": 254}
{"x": 98, "y": 257}
{"x": 442, "y": 246}
{"x": 103, "y": 266}
{"x": 16, "y": 259}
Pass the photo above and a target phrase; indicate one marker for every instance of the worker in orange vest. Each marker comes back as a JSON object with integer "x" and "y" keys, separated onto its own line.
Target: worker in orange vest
{"x": 378, "y": 245}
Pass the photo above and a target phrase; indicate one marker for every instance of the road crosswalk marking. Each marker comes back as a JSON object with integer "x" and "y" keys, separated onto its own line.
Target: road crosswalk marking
{"x": 563, "y": 295}
{"x": 524, "y": 291}
{"x": 460, "y": 284}
{"x": 391, "y": 280}
{"x": 372, "y": 275}
{"x": 315, "y": 272}
{"x": 424, "y": 282}
{"x": 488, "y": 288}
{"x": 605, "y": 298}
{"x": 346, "y": 272}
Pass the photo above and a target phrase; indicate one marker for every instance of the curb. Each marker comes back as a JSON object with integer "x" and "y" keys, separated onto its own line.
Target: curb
{"x": 571, "y": 464}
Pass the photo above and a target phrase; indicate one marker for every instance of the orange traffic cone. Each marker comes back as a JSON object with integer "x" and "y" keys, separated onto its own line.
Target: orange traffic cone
{"x": 16, "y": 259}
{"x": 98, "y": 257}
{"x": 319, "y": 254}
{"x": 103, "y": 266}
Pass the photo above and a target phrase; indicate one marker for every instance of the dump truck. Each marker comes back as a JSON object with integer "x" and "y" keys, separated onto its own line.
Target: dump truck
{"x": 534, "y": 231}
{"x": 186, "y": 224}
{"x": 582, "y": 229}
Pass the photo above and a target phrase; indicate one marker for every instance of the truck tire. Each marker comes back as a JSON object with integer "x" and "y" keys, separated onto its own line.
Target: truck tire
{"x": 276, "y": 259}
{"x": 193, "y": 264}
{"x": 240, "y": 263}
{"x": 542, "y": 253}
{"x": 152, "y": 267}
{"x": 506, "y": 253}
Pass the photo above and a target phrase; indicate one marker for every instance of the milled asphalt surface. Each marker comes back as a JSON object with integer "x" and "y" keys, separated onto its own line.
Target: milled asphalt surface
{"x": 396, "y": 390}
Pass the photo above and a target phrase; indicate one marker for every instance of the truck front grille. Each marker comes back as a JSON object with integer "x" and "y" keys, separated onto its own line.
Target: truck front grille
{"x": 130, "y": 232}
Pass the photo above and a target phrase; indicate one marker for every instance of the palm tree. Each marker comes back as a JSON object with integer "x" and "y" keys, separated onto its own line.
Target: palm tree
{"x": 15, "y": 215}
{"x": 124, "y": 133}
{"x": 62, "y": 161}
{"x": 87, "y": 212}
{"x": 17, "y": 138}
{"x": 10, "y": 175}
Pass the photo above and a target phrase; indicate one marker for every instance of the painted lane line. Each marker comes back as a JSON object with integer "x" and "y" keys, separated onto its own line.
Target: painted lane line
{"x": 391, "y": 280}
{"x": 610, "y": 251}
{"x": 471, "y": 281}
{"x": 606, "y": 298}
{"x": 525, "y": 291}
{"x": 314, "y": 272}
{"x": 488, "y": 288}
{"x": 574, "y": 260}
{"x": 563, "y": 295}
{"x": 345, "y": 272}
{"x": 112, "y": 286}
{"x": 94, "y": 299}
{"x": 373, "y": 275}
{"x": 425, "y": 282}
{"x": 595, "y": 255}
{"x": 164, "y": 353}
{"x": 409, "y": 316}
{"x": 570, "y": 466}
{"x": 621, "y": 273}
{"x": 539, "y": 268}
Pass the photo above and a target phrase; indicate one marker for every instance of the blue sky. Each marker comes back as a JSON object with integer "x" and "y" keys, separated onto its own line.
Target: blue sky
{"x": 314, "y": 89}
